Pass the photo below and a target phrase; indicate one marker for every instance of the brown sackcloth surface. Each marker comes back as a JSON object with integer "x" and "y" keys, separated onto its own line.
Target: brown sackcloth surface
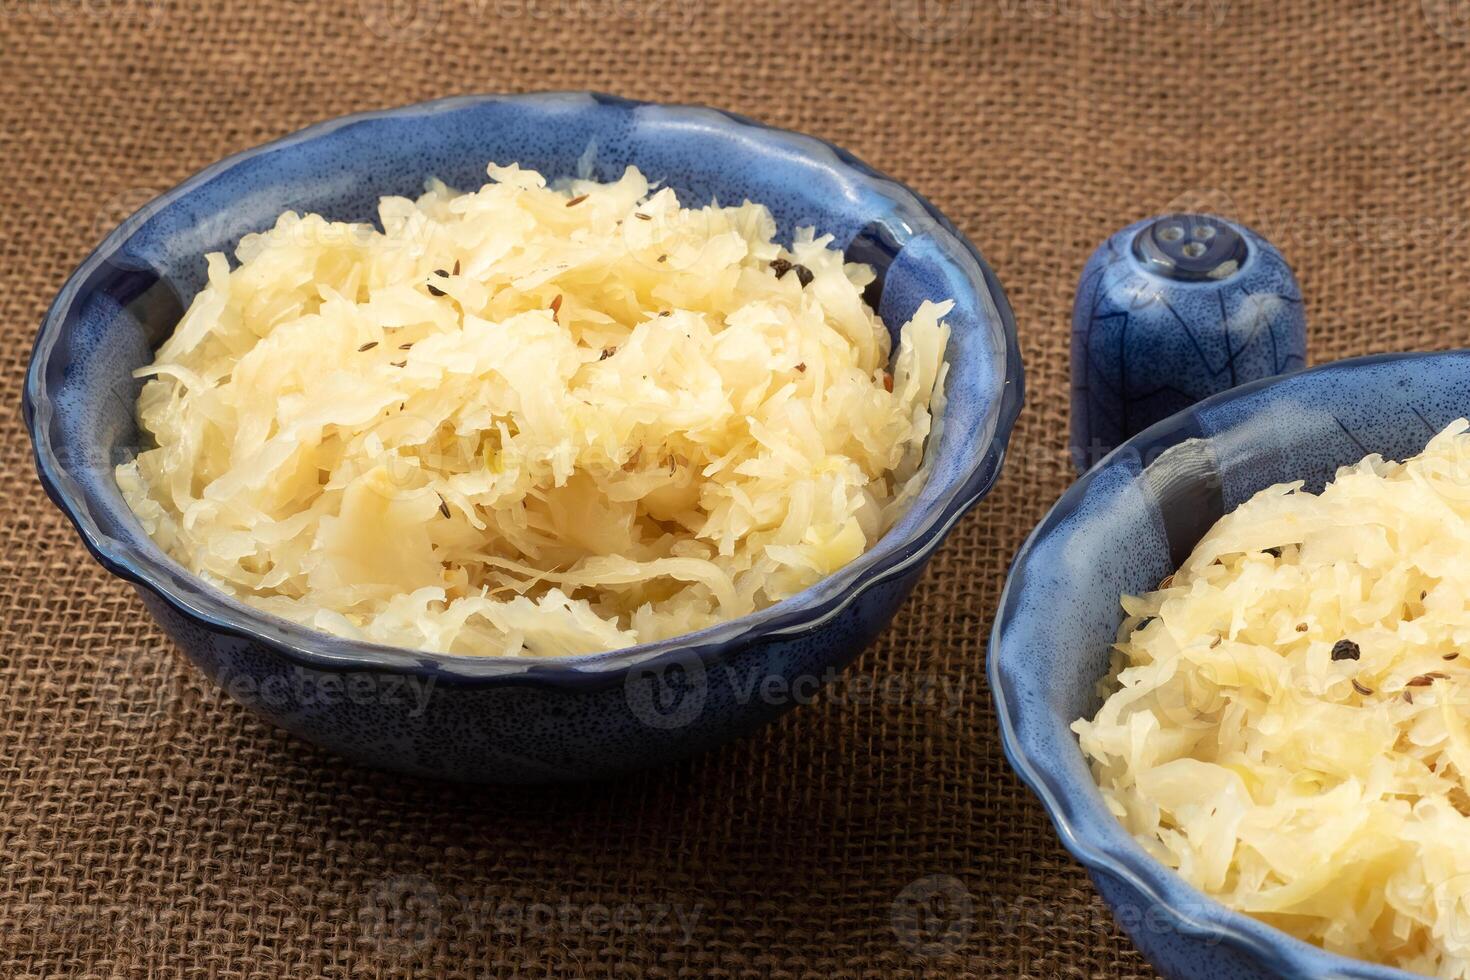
{"x": 150, "y": 827}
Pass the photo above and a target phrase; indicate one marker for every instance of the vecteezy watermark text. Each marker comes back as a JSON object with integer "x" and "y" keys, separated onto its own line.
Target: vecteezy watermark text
{"x": 146, "y": 12}
{"x": 410, "y": 20}
{"x": 1211, "y": 13}
{"x": 137, "y": 686}
{"x": 673, "y": 694}
{"x": 935, "y": 21}
{"x": 402, "y": 914}
{"x": 303, "y": 689}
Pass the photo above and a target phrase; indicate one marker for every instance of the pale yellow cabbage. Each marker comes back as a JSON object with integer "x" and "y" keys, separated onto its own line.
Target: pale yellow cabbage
{"x": 531, "y": 421}
{"x": 1327, "y": 793}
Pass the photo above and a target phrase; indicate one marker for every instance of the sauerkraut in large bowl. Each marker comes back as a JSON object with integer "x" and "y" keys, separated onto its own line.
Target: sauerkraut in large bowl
{"x": 531, "y": 420}
{"x": 530, "y": 717}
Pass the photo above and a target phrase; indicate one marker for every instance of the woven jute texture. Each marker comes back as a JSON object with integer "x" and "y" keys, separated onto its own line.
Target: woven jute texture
{"x": 150, "y": 827}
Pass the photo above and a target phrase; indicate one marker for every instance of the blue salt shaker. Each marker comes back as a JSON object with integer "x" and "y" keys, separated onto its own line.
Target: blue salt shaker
{"x": 1171, "y": 310}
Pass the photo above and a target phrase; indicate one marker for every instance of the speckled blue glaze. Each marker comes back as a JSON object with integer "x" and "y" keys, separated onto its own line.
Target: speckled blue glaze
{"x": 500, "y": 719}
{"x": 1120, "y": 529}
{"x": 1145, "y": 346}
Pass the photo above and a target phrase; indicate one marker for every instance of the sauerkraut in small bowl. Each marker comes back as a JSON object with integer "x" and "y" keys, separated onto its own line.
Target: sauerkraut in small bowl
{"x": 576, "y": 455}
{"x": 1248, "y": 690}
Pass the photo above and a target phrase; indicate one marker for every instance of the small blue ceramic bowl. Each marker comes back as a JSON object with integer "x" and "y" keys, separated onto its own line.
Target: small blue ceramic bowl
{"x": 500, "y": 719}
{"x": 1124, "y": 526}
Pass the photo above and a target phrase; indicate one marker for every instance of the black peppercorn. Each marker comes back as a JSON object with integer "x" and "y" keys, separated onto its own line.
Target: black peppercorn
{"x": 782, "y": 266}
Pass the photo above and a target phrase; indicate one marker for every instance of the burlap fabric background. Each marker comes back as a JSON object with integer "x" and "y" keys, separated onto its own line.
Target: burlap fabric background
{"x": 149, "y": 827}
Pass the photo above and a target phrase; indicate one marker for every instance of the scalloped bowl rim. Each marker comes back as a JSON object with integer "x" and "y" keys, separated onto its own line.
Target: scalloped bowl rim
{"x": 1103, "y": 845}
{"x": 326, "y": 651}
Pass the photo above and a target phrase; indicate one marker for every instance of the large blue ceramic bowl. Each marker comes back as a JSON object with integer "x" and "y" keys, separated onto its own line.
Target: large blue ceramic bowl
{"x": 501, "y": 719}
{"x": 1124, "y": 526}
